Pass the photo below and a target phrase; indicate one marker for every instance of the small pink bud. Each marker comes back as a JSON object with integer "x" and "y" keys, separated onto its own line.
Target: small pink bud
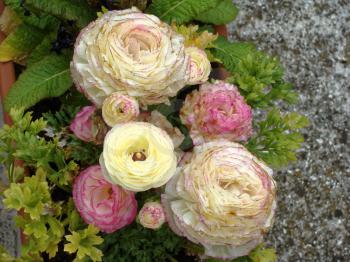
{"x": 152, "y": 215}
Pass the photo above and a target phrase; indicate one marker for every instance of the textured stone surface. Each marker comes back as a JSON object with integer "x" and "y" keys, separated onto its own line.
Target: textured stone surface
{"x": 9, "y": 235}
{"x": 312, "y": 39}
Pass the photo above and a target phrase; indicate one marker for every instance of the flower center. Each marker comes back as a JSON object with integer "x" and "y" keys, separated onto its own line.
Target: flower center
{"x": 139, "y": 156}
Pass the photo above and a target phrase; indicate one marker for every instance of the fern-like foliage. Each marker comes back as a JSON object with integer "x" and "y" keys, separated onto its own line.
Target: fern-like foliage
{"x": 180, "y": 11}
{"x": 260, "y": 79}
{"x": 258, "y": 76}
{"x": 224, "y": 13}
{"x": 47, "y": 78}
{"x": 277, "y": 138}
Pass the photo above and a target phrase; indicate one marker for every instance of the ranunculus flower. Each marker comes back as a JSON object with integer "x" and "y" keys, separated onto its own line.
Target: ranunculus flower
{"x": 88, "y": 126}
{"x": 138, "y": 156}
{"x": 159, "y": 120}
{"x": 152, "y": 215}
{"x": 131, "y": 53}
{"x": 107, "y": 206}
{"x": 199, "y": 67}
{"x": 117, "y": 109}
{"x": 217, "y": 111}
{"x": 224, "y": 199}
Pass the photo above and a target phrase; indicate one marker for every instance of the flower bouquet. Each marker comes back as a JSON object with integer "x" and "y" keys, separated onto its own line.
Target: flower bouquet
{"x": 127, "y": 142}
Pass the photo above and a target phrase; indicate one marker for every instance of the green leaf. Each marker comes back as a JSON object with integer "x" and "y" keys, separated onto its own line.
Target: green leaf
{"x": 44, "y": 21}
{"x": 83, "y": 243}
{"x": 65, "y": 10}
{"x": 263, "y": 254}
{"x": 231, "y": 53}
{"x": 8, "y": 20}
{"x": 223, "y": 13}
{"x": 20, "y": 42}
{"x": 41, "y": 51}
{"x": 32, "y": 196}
{"x": 47, "y": 78}
{"x": 277, "y": 138}
{"x": 180, "y": 11}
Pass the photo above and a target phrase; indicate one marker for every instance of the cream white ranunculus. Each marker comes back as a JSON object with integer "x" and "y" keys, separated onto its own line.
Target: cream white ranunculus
{"x": 199, "y": 66}
{"x": 138, "y": 156}
{"x": 132, "y": 53}
{"x": 118, "y": 108}
{"x": 224, "y": 199}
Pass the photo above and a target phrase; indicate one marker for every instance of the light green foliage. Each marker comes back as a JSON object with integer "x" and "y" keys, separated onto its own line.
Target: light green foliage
{"x": 6, "y": 257}
{"x": 21, "y": 141}
{"x": 263, "y": 254}
{"x": 180, "y": 11}
{"x": 83, "y": 243}
{"x": 277, "y": 138}
{"x": 259, "y": 254}
{"x": 19, "y": 43}
{"x": 32, "y": 195}
{"x": 224, "y": 13}
{"x": 260, "y": 79}
{"x": 48, "y": 78}
{"x": 39, "y": 221}
{"x": 258, "y": 76}
{"x": 64, "y": 9}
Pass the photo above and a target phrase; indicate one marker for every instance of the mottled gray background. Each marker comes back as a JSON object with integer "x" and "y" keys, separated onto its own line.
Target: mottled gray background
{"x": 312, "y": 38}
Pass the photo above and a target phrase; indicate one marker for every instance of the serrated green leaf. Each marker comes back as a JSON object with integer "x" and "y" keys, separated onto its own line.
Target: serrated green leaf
{"x": 223, "y": 13}
{"x": 20, "y": 42}
{"x": 64, "y": 9}
{"x": 40, "y": 51}
{"x": 180, "y": 11}
{"x": 46, "y": 22}
{"x": 47, "y": 78}
{"x": 277, "y": 138}
{"x": 83, "y": 243}
{"x": 230, "y": 53}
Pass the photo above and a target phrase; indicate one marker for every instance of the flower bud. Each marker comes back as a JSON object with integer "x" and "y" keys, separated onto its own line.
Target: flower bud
{"x": 152, "y": 215}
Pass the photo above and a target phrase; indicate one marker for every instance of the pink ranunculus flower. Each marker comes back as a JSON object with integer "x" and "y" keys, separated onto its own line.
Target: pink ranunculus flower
{"x": 108, "y": 207}
{"x": 152, "y": 215}
{"x": 217, "y": 111}
{"x": 88, "y": 126}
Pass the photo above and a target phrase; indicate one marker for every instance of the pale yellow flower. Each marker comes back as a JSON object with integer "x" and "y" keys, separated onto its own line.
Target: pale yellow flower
{"x": 138, "y": 156}
{"x": 118, "y": 109}
{"x": 132, "y": 53}
{"x": 199, "y": 66}
{"x": 224, "y": 199}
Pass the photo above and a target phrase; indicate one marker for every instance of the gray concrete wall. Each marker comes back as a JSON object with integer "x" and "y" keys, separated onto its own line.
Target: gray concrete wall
{"x": 9, "y": 235}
